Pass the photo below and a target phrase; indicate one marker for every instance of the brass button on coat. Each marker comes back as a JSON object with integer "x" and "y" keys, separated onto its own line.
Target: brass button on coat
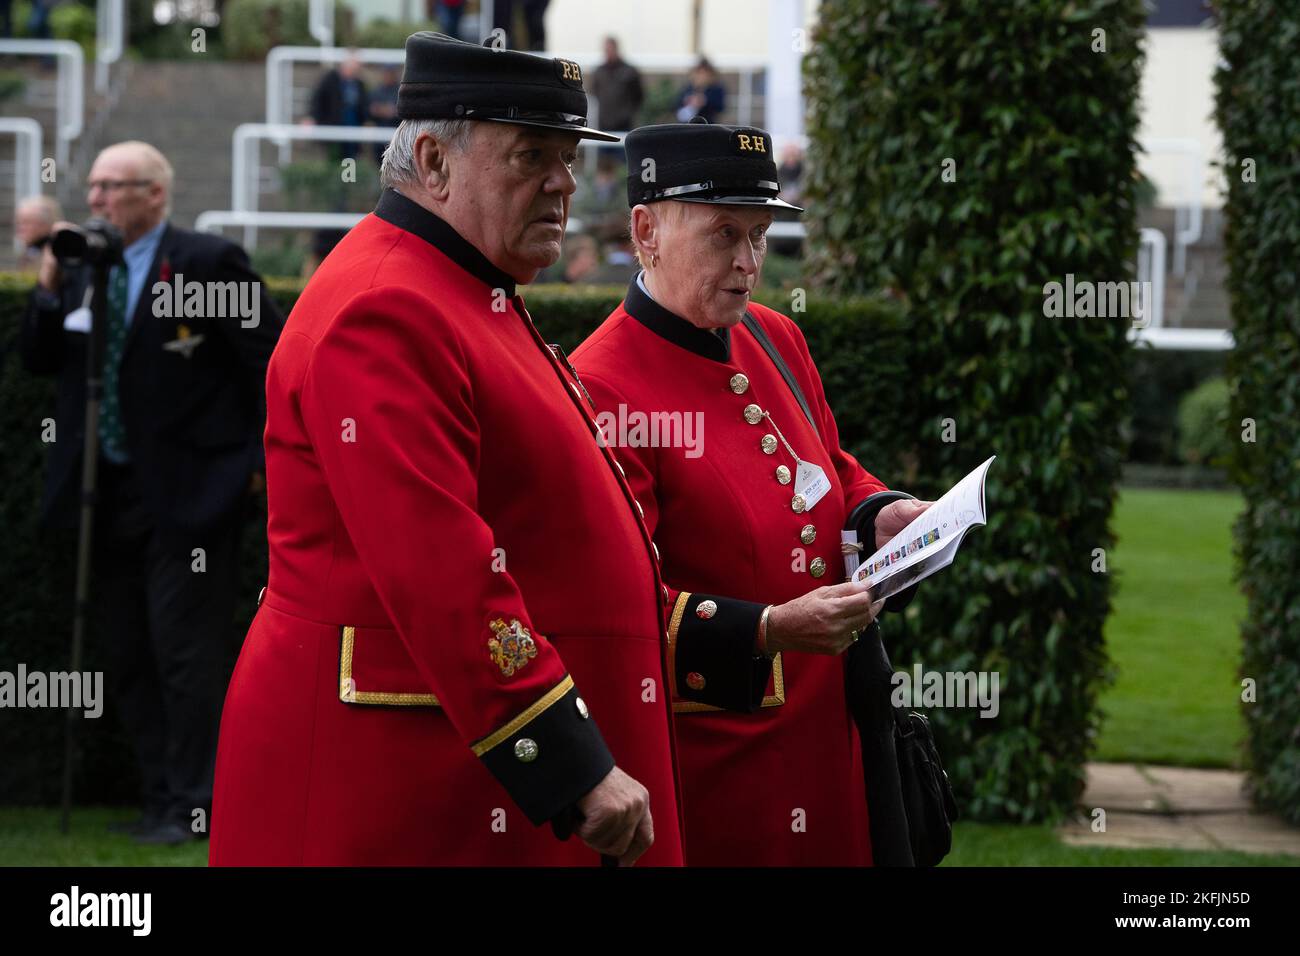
{"x": 798, "y": 503}
{"x": 706, "y": 609}
{"x": 526, "y": 750}
{"x": 753, "y": 414}
{"x": 769, "y": 444}
{"x": 808, "y": 535}
{"x": 783, "y": 474}
{"x": 695, "y": 680}
{"x": 817, "y": 568}
{"x": 739, "y": 383}
{"x": 582, "y": 707}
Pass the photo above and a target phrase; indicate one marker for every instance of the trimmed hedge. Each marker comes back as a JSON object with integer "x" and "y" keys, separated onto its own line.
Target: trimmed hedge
{"x": 1258, "y": 108}
{"x": 1202, "y": 418}
{"x": 1038, "y": 129}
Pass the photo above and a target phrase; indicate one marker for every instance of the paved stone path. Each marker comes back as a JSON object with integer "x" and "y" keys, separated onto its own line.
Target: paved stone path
{"x": 1179, "y": 808}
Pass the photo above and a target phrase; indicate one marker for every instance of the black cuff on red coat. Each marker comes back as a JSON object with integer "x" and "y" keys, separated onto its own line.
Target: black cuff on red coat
{"x": 863, "y": 520}
{"x": 550, "y": 756}
{"x": 713, "y": 651}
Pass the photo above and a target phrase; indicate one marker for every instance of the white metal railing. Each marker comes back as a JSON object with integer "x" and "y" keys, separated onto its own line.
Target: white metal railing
{"x": 279, "y": 76}
{"x": 1185, "y": 340}
{"x": 320, "y": 21}
{"x": 1189, "y": 204}
{"x": 244, "y": 165}
{"x": 1151, "y": 268}
{"x": 70, "y": 95}
{"x": 215, "y": 220}
{"x": 110, "y": 28}
{"x": 280, "y": 61}
{"x": 27, "y": 159}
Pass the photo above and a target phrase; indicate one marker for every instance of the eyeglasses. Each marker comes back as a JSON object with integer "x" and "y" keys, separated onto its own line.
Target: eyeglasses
{"x": 113, "y": 185}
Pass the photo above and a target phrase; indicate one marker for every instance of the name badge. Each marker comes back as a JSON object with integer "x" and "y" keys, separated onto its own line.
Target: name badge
{"x": 810, "y": 481}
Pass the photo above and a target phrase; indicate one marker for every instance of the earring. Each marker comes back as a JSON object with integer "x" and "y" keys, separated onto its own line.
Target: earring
{"x": 654, "y": 259}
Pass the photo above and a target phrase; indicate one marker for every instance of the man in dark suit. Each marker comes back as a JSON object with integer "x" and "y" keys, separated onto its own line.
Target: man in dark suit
{"x": 341, "y": 99}
{"x": 188, "y": 335}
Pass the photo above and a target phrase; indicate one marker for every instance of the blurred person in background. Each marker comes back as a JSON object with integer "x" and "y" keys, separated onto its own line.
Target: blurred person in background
{"x": 38, "y": 22}
{"x": 535, "y": 23}
{"x": 791, "y": 172}
{"x": 180, "y": 454}
{"x": 531, "y": 20}
{"x": 34, "y": 220}
{"x": 600, "y": 205}
{"x": 616, "y": 85}
{"x": 581, "y": 259}
{"x": 341, "y": 99}
{"x": 447, "y": 14}
{"x": 703, "y": 94}
{"x": 383, "y": 104}
{"x": 618, "y": 262}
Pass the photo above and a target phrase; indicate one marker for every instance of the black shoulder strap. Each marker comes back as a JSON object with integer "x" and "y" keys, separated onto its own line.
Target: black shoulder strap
{"x": 757, "y": 330}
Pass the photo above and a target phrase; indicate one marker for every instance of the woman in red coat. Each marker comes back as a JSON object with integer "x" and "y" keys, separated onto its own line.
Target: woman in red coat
{"x": 745, "y": 490}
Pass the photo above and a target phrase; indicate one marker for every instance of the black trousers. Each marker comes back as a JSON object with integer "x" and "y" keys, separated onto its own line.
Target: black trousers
{"x": 166, "y": 626}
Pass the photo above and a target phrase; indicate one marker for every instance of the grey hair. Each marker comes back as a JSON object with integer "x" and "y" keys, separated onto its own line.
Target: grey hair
{"x": 398, "y": 166}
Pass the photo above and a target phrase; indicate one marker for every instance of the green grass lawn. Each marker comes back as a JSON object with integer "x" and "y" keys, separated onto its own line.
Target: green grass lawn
{"x": 29, "y": 836}
{"x": 1173, "y": 635}
{"x": 994, "y": 844}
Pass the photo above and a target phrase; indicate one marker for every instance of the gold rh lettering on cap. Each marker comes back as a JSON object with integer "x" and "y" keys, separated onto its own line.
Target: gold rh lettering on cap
{"x": 751, "y": 144}
{"x": 570, "y": 70}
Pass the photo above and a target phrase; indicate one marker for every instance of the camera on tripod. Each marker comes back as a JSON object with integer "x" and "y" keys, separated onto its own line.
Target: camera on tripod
{"x": 97, "y": 243}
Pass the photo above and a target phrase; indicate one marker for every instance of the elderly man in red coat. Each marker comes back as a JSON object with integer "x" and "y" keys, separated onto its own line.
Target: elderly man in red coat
{"x": 462, "y": 635}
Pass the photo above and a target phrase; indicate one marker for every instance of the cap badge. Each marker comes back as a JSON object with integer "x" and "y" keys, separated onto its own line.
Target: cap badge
{"x": 569, "y": 71}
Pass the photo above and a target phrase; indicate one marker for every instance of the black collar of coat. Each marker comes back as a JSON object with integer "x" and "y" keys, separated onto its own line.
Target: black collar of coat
{"x": 403, "y": 213}
{"x": 715, "y": 346}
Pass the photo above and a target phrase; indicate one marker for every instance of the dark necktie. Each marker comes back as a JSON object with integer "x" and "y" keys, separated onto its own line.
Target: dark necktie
{"x": 112, "y": 434}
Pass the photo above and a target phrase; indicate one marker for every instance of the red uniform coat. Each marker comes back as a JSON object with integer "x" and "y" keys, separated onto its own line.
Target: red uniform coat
{"x": 453, "y": 560}
{"x": 782, "y": 785}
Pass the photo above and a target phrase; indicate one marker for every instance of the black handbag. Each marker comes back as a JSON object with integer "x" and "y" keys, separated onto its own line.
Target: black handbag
{"x": 909, "y": 799}
{"x": 927, "y": 794}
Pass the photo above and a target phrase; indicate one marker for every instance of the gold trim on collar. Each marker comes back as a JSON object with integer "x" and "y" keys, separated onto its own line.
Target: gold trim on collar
{"x": 527, "y": 717}
{"x": 774, "y": 699}
{"x": 349, "y": 694}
